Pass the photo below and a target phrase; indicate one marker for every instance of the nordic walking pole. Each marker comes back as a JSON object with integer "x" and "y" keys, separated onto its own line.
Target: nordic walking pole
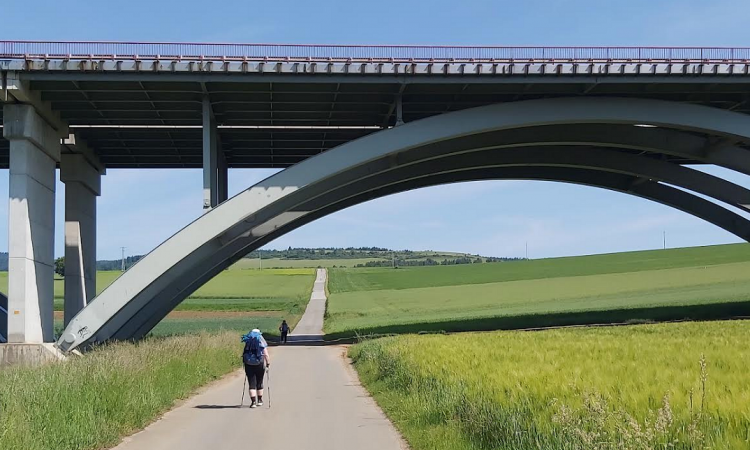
{"x": 268, "y": 382}
{"x": 242, "y": 403}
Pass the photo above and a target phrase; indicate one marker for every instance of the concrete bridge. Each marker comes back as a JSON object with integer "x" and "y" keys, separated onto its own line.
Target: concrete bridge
{"x": 348, "y": 124}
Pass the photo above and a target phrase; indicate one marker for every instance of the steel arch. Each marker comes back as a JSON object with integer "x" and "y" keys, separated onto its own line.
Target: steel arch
{"x": 273, "y": 203}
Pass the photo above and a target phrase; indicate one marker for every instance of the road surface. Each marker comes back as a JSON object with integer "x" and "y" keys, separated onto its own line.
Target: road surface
{"x": 316, "y": 403}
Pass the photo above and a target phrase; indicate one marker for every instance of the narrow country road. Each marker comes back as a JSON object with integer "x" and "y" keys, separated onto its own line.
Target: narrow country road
{"x": 316, "y": 403}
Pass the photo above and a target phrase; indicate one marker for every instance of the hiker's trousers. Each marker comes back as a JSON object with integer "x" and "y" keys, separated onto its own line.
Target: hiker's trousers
{"x": 255, "y": 375}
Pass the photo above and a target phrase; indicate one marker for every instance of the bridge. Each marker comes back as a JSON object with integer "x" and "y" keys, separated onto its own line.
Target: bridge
{"x": 347, "y": 124}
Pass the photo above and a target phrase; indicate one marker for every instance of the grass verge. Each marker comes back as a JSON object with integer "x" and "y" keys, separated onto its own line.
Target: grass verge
{"x": 93, "y": 401}
{"x": 638, "y": 387}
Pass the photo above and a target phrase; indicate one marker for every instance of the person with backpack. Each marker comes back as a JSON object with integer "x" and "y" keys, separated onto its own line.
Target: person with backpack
{"x": 256, "y": 360}
{"x": 284, "y": 329}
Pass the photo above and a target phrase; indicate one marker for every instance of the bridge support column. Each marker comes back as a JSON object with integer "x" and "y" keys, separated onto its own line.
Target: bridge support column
{"x": 214, "y": 164}
{"x": 3, "y": 318}
{"x": 34, "y": 152}
{"x": 223, "y": 175}
{"x": 82, "y": 186}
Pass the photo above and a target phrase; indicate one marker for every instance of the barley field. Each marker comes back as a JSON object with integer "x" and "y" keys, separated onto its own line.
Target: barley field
{"x": 659, "y": 386}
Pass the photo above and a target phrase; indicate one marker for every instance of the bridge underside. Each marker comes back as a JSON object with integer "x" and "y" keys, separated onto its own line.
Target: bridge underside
{"x": 635, "y": 146}
{"x": 347, "y": 124}
{"x": 278, "y": 120}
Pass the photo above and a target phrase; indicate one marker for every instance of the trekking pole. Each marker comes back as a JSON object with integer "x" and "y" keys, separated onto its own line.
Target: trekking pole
{"x": 268, "y": 382}
{"x": 242, "y": 403}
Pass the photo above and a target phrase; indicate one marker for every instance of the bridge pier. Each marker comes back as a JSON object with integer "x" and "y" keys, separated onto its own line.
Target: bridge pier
{"x": 82, "y": 185}
{"x": 214, "y": 162}
{"x": 34, "y": 153}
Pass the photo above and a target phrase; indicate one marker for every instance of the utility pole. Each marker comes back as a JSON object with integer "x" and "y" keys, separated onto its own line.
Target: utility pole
{"x": 260, "y": 260}
{"x": 393, "y": 258}
{"x": 527, "y": 249}
{"x": 122, "y": 266}
{"x": 665, "y": 240}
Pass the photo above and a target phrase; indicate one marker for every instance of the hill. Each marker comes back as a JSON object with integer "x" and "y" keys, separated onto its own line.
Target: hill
{"x": 698, "y": 283}
{"x": 357, "y": 257}
{"x": 321, "y": 257}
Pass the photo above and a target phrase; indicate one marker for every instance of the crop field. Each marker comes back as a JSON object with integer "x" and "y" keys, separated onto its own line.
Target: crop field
{"x": 434, "y": 276}
{"x": 272, "y": 294}
{"x": 700, "y": 283}
{"x": 678, "y": 385}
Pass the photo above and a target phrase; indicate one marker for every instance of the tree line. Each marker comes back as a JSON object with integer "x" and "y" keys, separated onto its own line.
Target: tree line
{"x": 432, "y": 262}
{"x": 114, "y": 264}
{"x": 334, "y": 253}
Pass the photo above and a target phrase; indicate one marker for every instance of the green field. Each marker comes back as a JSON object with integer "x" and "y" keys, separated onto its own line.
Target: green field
{"x": 417, "y": 277}
{"x": 275, "y": 294}
{"x": 705, "y": 282}
{"x": 634, "y": 387}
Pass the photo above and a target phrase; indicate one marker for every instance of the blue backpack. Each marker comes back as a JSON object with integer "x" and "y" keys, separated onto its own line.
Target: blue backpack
{"x": 253, "y": 353}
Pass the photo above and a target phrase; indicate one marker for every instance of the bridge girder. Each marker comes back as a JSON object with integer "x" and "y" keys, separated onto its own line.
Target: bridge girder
{"x": 434, "y": 150}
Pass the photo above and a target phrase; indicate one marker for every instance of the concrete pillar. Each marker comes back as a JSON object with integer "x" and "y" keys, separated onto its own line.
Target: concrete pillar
{"x": 82, "y": 186}
{"x": 34, "y": 153}
{"x": 3, "y": 318}
{"x": 223, "y": 175}
{"x": 210, "y": 158}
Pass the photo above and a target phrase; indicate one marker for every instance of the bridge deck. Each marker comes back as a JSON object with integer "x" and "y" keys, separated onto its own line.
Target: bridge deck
{"x": 140, "y": 108}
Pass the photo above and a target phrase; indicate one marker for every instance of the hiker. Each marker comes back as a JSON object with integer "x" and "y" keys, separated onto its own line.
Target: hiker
{"x": 284, "y": 329}
{"x": 256, "y": 359}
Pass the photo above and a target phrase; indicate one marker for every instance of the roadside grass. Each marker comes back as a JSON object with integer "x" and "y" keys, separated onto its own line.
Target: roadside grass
{"x": 93, "y": 401}
{"x": 634, "y": 387}
{"x": 362, "y": 279}
{"x": 666, "y": 294}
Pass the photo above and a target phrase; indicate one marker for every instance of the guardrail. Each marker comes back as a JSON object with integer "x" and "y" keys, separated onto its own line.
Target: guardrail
{"x": 365, "y": 53}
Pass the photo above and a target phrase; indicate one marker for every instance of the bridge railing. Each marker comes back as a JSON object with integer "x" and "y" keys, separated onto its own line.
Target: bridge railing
{"x": 366, "y": 53}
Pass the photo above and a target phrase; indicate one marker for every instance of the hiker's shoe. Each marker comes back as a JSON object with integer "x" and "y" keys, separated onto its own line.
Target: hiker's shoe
{"x": 252, "y": 405}
{"x": 260, "y": 402}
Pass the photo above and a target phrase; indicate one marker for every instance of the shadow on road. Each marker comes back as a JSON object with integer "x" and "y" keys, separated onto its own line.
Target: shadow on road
{"x": 305, "y": 340}
{"x": 217, "y": 407}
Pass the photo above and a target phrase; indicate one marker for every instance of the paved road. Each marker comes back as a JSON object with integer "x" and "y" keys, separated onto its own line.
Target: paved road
{"x": 310, "y": 327}
{"x": 316, "y": 403}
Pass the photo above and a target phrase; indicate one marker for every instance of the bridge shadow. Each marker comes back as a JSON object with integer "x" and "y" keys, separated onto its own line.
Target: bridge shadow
{"x": 304, "y": 340}
{"x": 624, "y": 316}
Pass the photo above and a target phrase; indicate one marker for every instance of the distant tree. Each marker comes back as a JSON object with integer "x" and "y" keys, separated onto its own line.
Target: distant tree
{"x": 60, "y": 266}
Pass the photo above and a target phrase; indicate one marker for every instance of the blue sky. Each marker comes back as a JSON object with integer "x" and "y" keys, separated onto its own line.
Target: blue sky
{"x": 491, "y": 218}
